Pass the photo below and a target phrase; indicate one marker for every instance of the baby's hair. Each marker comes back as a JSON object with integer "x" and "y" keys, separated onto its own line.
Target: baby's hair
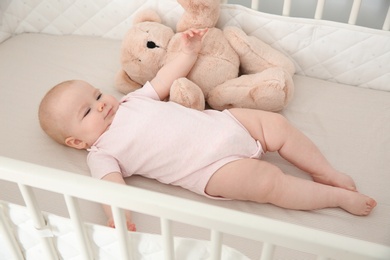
{"x": 49, "y": 120}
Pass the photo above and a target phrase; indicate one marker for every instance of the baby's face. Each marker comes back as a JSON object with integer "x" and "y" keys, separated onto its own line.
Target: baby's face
{"x": 88, "y": 113}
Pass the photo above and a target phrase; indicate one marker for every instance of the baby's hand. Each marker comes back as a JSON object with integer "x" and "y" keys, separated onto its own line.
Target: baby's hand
{"x": 130, "y": 225}
{"x": 192, "y": 40}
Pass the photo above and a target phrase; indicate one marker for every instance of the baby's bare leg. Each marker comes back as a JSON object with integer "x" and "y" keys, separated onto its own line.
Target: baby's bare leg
{"x": 260, "y": 181}
{"x": 275, "y": 133}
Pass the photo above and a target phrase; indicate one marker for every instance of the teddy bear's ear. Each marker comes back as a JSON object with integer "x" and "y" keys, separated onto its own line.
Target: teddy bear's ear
{"x": 147, "y": 15}
{"x": 198, "y": 14}
{"x": 124, "y": 84}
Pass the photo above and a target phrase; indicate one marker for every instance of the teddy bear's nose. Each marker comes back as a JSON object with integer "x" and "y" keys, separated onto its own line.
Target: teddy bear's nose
{"x": 151, "y": 45}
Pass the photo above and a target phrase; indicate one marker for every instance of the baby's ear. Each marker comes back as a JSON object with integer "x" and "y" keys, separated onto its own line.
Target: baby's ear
{"x": 75, "y": 143}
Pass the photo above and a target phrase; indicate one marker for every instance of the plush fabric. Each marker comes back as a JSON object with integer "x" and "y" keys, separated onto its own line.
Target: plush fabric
{"x": 232, "y": 69}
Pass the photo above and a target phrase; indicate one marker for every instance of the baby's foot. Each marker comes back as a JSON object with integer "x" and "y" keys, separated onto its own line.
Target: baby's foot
{"x": 358, "y": 204}
{"x": 336, "y": 179}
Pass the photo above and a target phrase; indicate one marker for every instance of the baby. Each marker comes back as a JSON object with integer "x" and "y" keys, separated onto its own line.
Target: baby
{"x": 212, "y": 153}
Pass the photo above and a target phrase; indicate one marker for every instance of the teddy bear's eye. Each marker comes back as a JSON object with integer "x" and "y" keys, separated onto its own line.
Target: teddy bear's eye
{"x": 151, "y": 45}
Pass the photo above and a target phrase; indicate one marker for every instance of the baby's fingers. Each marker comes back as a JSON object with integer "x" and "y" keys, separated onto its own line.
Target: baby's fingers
{"x": 200, "y": 32}
{"x": 203, "y": 31}
{"x": 192, "y": 32}
{"x": 131, "y": 226}
{"x": 189, "y": 33}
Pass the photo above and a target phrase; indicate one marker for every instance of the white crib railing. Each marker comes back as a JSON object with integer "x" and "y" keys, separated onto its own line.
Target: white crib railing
{"x": 319, "y": 10}
{"x": 168, "y": 208}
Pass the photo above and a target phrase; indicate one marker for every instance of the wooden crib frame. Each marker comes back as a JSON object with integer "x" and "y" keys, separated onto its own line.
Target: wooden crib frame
{"x": 270, "y": 232}
{"x": 319, "y": 11}
{"x": 170, "y": 209}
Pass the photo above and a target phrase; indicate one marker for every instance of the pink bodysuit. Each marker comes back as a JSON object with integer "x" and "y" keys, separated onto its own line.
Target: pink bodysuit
{"x": 168, "y": 142}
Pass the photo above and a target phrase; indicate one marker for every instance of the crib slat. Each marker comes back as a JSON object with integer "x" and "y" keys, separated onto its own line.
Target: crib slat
{"x": 319, "y": 9}
{"x": 40, "y": 223}
{"x": 267, "y": 252}
{"x": 354, "y": 11}
{"x": 122, "y": 232}
{"x": 75, "y": 216}
{"x": 32, "y": 205}
{"x": 286, "y": 7}
{"x": 386, "y": 24}
{"x": 216, "y": 244}
{"x": 255, "y": 4}
{"x": 10, "y": 240}
{"x": 166, "y": 232}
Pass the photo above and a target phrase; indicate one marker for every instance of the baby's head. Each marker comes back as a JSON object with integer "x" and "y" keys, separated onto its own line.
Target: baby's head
{"x": 75, "y": 114}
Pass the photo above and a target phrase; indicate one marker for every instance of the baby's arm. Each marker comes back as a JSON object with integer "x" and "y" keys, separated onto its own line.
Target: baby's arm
{"x": 117, "y": 177}
{"x": 191, "y": 43}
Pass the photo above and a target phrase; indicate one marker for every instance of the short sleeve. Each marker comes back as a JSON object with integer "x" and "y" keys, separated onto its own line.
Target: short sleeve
{"x": 101, "y": 164}
{"x": 146, "y": 91}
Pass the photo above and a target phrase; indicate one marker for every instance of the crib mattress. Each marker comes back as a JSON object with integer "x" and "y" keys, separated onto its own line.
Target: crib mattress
{"x": 349, "y": 124}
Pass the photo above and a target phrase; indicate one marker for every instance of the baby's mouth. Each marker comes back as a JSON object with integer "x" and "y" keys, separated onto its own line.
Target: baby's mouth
{"x": 108, "y": 113}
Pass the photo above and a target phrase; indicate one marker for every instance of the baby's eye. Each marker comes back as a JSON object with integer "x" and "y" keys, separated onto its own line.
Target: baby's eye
{"x": 87, "y": 112}
{"x": 99, "y": 96}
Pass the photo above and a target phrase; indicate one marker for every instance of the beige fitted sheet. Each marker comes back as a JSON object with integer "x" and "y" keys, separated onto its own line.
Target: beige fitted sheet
{"x": 350, "y": 125}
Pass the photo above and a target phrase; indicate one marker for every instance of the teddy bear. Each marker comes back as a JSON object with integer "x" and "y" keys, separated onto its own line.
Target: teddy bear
{"x": 232, "y": 68}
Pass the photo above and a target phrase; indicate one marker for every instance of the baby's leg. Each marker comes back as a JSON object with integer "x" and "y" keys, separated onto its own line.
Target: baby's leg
{"x": 275, "y": 133}
{"x": 260, "y": 181}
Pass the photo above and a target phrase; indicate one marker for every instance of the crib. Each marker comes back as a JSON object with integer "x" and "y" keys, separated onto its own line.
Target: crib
{"x": 50, "y": 206}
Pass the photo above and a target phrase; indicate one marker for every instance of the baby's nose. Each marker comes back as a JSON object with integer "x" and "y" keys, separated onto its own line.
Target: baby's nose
{"x": 101, "y": 106}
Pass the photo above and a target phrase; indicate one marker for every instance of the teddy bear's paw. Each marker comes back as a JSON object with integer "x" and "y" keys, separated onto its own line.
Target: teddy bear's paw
{"x": 187, "y": 93}
{"x": 273, "y": 89}
{"x": 268, "y": 96}
{"x": 269, "y": 90}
